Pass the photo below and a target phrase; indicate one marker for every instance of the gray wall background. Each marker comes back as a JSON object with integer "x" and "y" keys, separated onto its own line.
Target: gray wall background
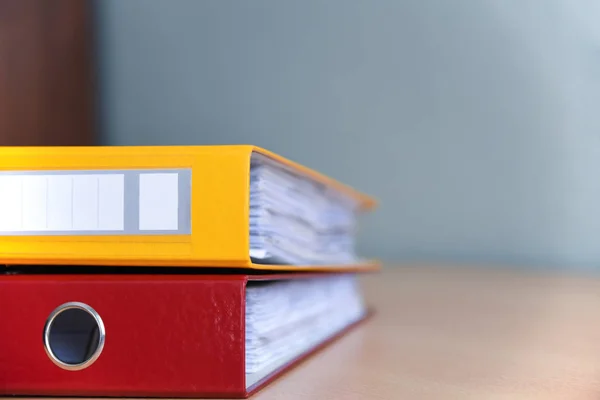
{"x": 475, "y": 122}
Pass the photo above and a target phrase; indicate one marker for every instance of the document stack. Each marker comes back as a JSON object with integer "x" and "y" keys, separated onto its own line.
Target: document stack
{"x": 170, "y": 271}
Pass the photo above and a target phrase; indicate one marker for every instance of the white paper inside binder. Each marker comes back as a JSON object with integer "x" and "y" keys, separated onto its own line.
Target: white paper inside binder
{"x": 286, "y": 319}
{"x": 296, "y": 220}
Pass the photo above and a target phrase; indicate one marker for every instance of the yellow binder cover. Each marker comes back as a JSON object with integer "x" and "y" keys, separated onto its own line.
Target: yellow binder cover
{"x": 191, "y": 206}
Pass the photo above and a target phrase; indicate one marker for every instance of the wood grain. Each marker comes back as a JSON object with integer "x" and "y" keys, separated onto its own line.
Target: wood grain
{"x": 46, "y": 73}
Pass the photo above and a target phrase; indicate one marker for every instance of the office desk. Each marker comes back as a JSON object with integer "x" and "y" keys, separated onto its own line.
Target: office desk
{"x": 455, "y": 333}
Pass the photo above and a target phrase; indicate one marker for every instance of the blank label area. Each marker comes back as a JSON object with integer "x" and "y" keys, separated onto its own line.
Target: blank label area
{"x": 85, "y": 203}
{"x": 11, "y": 193}
{"x": 159, "y": 202}
{"x": 62, "y": 203}
{"x": 35, "y": 203}
{"x": 111, "y": 202}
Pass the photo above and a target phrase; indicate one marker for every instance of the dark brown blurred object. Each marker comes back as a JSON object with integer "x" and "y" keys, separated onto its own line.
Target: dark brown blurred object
{"x": 46, "y": 72}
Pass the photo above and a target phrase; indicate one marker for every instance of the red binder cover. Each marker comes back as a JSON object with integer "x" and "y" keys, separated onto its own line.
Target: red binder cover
{"x": 165, "y": 335}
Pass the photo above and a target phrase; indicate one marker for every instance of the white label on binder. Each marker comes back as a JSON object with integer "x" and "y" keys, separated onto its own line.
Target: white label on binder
{"x": 85, "y": 203}
{"x": 95, "y": 202}
{"x": 111, "y": 202}
{"x": 11, "y": 203}
{"x": 35, "y": 203}
{"x": 159, "y": 202}
{"x": 60, "y": 202}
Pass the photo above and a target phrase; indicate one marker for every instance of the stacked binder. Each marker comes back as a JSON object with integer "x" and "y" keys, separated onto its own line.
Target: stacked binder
{"x": 179, "y": 271}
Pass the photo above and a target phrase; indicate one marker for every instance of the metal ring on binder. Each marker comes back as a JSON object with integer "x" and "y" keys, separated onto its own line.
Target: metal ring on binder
{"x": 99, "y": 341}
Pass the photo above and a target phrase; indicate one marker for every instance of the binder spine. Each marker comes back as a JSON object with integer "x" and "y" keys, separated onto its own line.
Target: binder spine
{"x": 164, "y": 206}
{"x": 164, "y": 336}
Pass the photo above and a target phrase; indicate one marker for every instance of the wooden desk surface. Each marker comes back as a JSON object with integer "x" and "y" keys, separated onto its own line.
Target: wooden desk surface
{"x": 446, "y": 333}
